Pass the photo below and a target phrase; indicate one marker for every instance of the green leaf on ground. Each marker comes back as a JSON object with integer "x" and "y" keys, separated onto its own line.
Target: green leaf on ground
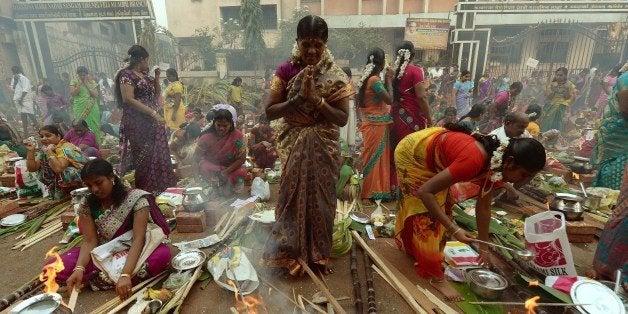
{"x": 549, "y": 292}
{"x": 465, "y": 290}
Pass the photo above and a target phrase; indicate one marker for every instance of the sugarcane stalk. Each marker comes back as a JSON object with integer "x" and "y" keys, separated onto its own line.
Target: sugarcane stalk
{"x": 357, "y": 287}
{"x": 9, "y": 299}
{"x": 369, "y": 285}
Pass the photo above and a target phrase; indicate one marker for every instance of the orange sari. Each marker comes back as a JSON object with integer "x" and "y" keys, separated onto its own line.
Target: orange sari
{"x": 376, "y": 123}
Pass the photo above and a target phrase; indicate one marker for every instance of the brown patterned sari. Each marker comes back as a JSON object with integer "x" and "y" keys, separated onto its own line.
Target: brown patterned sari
{"x": 307, "y": 145}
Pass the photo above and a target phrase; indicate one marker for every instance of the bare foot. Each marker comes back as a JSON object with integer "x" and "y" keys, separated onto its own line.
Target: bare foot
{"x": 446, "y": 289}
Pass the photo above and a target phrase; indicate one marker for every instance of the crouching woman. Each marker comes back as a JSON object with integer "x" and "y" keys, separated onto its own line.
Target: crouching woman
{"x": 110, "y": 211}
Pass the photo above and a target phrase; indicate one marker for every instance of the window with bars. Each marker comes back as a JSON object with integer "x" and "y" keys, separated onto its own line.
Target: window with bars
{"x": 269, "y": 15}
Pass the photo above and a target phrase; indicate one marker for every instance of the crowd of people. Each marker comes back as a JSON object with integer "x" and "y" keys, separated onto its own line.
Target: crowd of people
{"x": 419, "y": 134}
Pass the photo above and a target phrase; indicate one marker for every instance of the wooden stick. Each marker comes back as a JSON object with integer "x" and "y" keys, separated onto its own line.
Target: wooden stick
{"x": 73, "y": 299}
{"x": 195, "y": 276}
{"x": 313, "y": 305}
{"x": 523, "y": 304}
{"x": 357, "y": 288}
{"x": 381, "y": 274}
{"x": 227, "y": 224}
{"x": 264, "y": 281}
{"x": 222, "y": 219}
{"x": 37, "y": 235}
{"x": 321, "y": 286}
{"x": 441, "y": 305}
{"x": 40, "y": 238}
{"x": 402, "y": 289}
{"x": 115, "y": 301}
{"x": 135, "y": 295}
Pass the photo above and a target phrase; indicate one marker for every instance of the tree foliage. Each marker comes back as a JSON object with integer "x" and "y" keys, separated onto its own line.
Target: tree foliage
{"x": 229, "y": 32}
{"x": 251, "y": 16}
{"x": 288, "y": 31}
{"x": 355, "y": 43}
{"x": 200, "y": 48}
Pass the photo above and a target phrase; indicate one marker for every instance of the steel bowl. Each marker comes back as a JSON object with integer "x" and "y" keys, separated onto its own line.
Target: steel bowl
{"x": 568, "y": 204}
{"x": 486, "y": 283}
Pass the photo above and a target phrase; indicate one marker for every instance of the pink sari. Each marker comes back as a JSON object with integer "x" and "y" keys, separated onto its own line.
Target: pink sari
{"x": 217, "y": 153}
{"x": 111, "y": 224}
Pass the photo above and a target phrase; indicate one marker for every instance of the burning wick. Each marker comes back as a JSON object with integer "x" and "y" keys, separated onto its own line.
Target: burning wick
{"x": 533, "y": 283}
{"x": 531, "y": 304}
{"x": 50, "y": 271}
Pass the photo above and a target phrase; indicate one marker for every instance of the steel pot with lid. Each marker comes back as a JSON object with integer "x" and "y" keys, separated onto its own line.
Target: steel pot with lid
{"x": 568, "y": 204}
{"x": 192, "y": 199}
{"x": 581, "y": 165}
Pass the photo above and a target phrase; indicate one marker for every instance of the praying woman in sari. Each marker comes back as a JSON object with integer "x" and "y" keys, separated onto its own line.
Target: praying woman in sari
{"x": 310, "y": 95}
{"x": 110, "y": 211}
{"x": 84, "y": 91}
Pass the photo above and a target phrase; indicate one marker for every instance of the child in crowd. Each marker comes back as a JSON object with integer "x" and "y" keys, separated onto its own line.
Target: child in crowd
{"x": 534, "y": 113}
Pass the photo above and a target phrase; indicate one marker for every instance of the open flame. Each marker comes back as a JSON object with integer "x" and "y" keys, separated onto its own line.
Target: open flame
{"x": 50, "y": 271}
{"x": 249, "y": 303}
{"x": 547, "y": 204}
{"x": 576, "y": 176}
{"x": 531, "y": 304}
{"x": 254, "y": 305}
{"x": 533, "y": 283}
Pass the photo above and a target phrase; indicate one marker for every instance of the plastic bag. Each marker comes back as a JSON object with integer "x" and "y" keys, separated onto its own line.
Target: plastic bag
{"x": 231, "y": 264}
{"x": 546, "y": 236}
{"x": 26, "y": 182}
{"x": 260, "y": 188}
{"x": 377, "y": 216}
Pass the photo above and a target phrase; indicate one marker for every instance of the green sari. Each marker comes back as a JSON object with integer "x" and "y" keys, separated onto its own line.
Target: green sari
{"x": 555, "y": 109}
{"x": 611, "y": 144}
{"x": 86, "y": 108}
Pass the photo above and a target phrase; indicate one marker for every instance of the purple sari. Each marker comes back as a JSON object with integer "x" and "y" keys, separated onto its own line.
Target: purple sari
{"x": 143, "y": 141}
{"x": 111, "y": 224}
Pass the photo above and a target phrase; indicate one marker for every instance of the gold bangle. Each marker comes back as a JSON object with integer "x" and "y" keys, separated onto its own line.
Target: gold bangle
{"x": 81, "y": 268}
{"x": 125, "y": 275}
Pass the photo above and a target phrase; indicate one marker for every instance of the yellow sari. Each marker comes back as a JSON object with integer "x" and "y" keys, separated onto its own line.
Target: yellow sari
{"x": 171, "y": 91}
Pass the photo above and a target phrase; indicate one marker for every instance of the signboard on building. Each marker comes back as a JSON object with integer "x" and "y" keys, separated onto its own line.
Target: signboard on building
{"x": 427, "y": 34}
{"x": 549, "y": 6}
{"x": 81, "y": 10}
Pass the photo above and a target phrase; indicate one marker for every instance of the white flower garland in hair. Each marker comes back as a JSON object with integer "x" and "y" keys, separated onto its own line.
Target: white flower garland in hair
{"x": 497, "y": 160}
{"x": 405, "y": 53}
{"x": 366, "y": 72}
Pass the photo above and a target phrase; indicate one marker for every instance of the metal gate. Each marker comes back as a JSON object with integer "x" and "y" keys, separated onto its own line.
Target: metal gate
{"x": 95, "y": 60}
{"x": 515, "y": 50}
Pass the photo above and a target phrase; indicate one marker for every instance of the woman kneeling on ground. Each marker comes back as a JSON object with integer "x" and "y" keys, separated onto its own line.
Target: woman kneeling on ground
{"x": 428, "y": 163}
{"x": 221, "y": 152}
{"x": 110, "y": 211}
{"x": 58, "y": 163}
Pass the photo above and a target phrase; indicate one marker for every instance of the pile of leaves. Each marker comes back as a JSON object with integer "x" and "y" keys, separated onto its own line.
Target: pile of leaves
{"x": 206, "y": 95}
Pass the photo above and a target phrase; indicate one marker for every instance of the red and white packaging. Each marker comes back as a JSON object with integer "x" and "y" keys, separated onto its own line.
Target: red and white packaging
{"x": 546, "y": 235}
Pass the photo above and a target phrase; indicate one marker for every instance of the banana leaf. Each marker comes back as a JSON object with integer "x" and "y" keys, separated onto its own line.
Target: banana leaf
{"x": 547, "y": 292}
{"x": 469, "y": 296}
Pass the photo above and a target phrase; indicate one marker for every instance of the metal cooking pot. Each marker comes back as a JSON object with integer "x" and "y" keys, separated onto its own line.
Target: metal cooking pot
{"x": 486, "y": 283}
{"x": 568, "y": 204}
{"x": 581, "y": 165}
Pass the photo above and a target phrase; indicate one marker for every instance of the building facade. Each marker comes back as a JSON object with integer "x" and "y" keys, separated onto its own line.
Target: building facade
{"x": 387, "y": 17}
